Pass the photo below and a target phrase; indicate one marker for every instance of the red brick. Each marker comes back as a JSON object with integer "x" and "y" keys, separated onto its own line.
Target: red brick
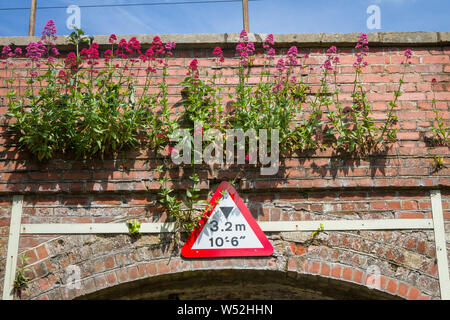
{"x": 413, "y": 293}
{"x": 42, "y": 252}
{"x": 403, "y": 289}
{"x": 109, "y": 262}
{"x": 336, "y": 272}
{"x": 325, "y": 269}
{"x": 357, "y": 276}
{"x": 347, "y": 274}
{"x": 392, "y": 286}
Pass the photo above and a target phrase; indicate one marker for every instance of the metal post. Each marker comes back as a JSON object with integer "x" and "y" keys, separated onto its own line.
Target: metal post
{"x": 32, "y": 18}
{"x": 441, "y": 246}
{"x": 13, "y": 248}
{"x": 245, "y": 15}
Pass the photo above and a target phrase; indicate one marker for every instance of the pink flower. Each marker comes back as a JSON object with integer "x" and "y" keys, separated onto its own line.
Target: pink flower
{"x": 281, "y": 66}
{"x": 54, "y": 51}
{"x": 35, "y": 50}
{"x": 170, "y": 46}
{"x": 193, "y": 65}
{"x": 49, "y": 30}
{"x": 408, "y": 55}
{"x": 291, "y": 56}
{"x": 362, "y": 49}
{"x": 332, "y": 50}
{"x": 269, "y": 40}
{"x": 245, "y": 51}
{"x": 219, "y": 54}
{"x": 112, "y": 38}
{"x": 217, "y": 51}
{"x": 6, "y": 51}
{"x": 243, "y": 35}
{"x": 248, "y": 157}
{"x": 71, "y": 61}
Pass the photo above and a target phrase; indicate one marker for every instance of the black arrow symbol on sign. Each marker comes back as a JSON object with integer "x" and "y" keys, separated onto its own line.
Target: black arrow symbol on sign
{"x": 226, "y": 211}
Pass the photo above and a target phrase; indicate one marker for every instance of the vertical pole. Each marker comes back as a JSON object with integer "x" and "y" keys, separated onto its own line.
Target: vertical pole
{"x": 441, "y": 247}
{"x": 13, "y": 248}
{"x": 32, "y": 18}
{"x": 245, "y": 15}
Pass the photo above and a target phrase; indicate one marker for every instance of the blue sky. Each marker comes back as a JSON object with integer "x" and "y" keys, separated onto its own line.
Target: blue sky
{"x": 266, "y": 16}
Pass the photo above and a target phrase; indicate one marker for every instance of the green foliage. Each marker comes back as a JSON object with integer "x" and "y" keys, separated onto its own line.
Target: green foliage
{"x": 85, "y": 111}
{"x": 440, "y": 133}
{"x": 316, "y": 233}
{"x": 438, "y": 163}
{"x": 134, "y": 227}
{"x": 186, "y": 212}
{"x": 20, "y": 282}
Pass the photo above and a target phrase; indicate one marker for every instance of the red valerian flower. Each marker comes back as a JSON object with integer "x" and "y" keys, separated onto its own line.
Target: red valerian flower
{"x": 71, "y": 61}
{"x": 91, "y": 54}
{"x": 245, "y": 49}
{"x": 35, "y": 50}
{"x": 193, "y": 65}
{"x": 112, "y": 38}
{"x": 219, "y": 54}
{"x": 63, "y": 77}
{"x": 408, "y": 55}
{"x": 281, "y": 66}
{"x": 49, "y": 31}
{"x": 291, "y": 56}
{"x": 362, "y": 51}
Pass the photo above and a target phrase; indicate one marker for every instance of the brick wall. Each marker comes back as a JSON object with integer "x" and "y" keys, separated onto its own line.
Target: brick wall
{"x": 307, "y": 187}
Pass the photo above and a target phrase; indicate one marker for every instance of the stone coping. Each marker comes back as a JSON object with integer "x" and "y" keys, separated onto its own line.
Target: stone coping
{"x": 229, "y": 40}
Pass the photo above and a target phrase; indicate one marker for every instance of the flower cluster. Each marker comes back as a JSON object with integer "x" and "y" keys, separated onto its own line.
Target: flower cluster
{"x": 245, "y": 49}
{"x": 291, "y": 56}
{"x": 268, "y": 46}
{"x": 219, "y": 54}
{"x": 331, "y": 60}
{"x": 362, "y": 49}
{"x": 35, "y": 51}
{"x": 91, "y": 55}
{"x": 48, "y": 34}
{"x": 71, "y": 61}
{"x": 193, "y": 68}
{"x": 408, "y": 55}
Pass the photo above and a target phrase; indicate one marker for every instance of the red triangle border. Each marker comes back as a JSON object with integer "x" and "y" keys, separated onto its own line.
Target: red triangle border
{"x": 266, "y": 250}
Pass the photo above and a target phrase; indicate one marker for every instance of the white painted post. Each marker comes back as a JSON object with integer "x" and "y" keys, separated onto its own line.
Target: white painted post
{"x": 441, "y": 247}
{"x": 13, "y": 248}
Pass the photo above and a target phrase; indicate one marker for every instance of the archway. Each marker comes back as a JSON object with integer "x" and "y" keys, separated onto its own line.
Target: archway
{"x": 238, "y": 284}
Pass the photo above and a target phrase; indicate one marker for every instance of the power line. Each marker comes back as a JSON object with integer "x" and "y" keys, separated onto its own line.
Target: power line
{"x": 130, "y": 4}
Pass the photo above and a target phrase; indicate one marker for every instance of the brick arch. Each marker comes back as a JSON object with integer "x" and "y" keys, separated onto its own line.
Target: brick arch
{"x": 237, "y": 284}
{"x": 116, "y": 261}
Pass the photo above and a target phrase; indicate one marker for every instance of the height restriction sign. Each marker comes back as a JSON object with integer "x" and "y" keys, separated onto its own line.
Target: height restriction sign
{"x": 227, "y": 229}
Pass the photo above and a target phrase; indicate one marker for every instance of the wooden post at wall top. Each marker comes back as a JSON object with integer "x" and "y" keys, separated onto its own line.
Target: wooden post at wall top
{"x": 245, "y": 15}
{"x": 32, "y": 18}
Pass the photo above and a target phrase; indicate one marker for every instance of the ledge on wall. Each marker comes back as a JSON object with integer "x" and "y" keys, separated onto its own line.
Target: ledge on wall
{"x": 299, "y": 39}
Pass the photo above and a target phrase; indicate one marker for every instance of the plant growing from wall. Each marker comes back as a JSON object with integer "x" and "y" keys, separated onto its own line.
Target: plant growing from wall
{"x": 440, "y": 133}
{"x": 77, "y": 108}
{"x": 134, "y": 227}
{"x": 21, "y": 280}
{"x": 353, "y": 128}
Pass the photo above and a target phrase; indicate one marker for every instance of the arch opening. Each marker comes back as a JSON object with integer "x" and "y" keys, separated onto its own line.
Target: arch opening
{"x": 235, "y": 284}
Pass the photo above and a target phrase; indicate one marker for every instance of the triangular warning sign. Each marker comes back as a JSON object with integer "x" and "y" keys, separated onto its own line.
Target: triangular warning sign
{"x": 227, "y": 229}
